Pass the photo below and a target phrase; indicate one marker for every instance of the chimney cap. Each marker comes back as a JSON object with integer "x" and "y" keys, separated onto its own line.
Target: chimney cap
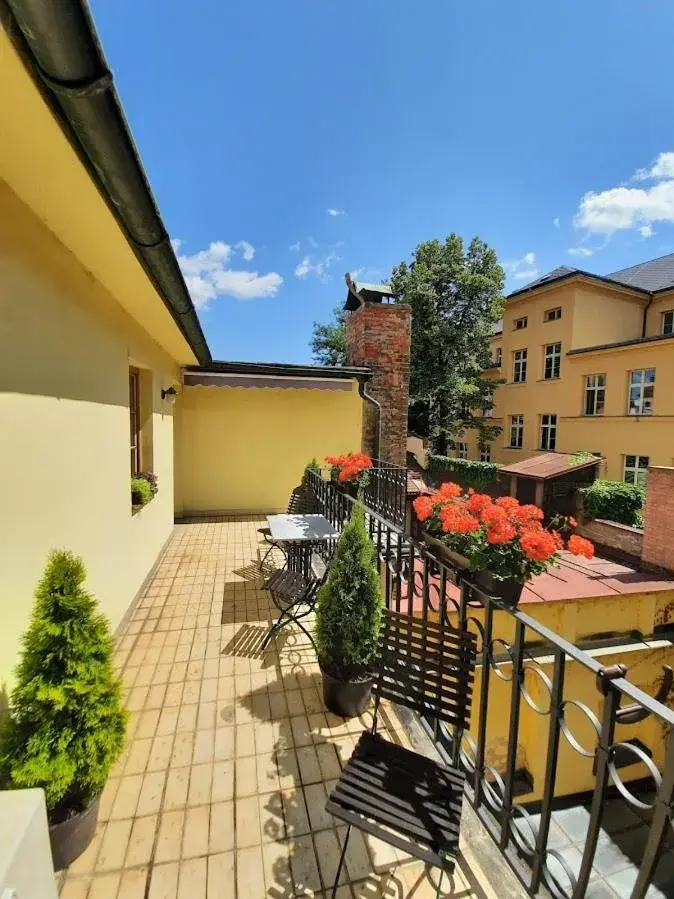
{"x": 359, "y": 294}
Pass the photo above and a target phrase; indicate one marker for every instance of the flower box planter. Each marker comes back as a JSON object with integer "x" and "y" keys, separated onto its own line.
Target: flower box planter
{"x": 508, "y": 591}
{"x": 497, "y": 545}
{"x": 445, "y": 554}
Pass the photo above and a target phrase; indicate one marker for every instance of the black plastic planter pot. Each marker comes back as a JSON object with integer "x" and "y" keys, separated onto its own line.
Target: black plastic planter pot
{"x": 70, "y": 838}
{"x": 349, "y": 699}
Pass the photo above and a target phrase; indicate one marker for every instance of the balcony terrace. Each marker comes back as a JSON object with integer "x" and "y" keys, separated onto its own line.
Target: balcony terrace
{"x": 221, "y": 790}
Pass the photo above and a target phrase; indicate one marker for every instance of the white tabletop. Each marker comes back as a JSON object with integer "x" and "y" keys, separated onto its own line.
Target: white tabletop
{"x": 300, "y": 527}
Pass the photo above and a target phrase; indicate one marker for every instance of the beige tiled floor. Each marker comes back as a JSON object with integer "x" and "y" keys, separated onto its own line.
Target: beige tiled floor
{"x": 221, "y": 790}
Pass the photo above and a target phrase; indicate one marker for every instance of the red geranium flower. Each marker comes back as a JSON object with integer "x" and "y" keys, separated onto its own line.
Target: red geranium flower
{"x": 579, "y": 546}
{"x": 538, "y": 545}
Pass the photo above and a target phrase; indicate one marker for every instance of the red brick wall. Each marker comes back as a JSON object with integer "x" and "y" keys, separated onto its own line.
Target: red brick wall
{"x": 658, "y": 550}
{"x": 378, "y": 337}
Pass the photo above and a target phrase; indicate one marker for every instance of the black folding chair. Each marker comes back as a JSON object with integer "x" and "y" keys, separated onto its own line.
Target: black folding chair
{"x": 391, "y": 792}
{"x": 298, "y": 504}
{"x": 294, "y": 593}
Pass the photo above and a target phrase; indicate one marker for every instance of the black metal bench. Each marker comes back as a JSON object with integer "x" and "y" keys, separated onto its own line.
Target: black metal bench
{"x": 294, "y": 594}
{"x": 393, "y": 793}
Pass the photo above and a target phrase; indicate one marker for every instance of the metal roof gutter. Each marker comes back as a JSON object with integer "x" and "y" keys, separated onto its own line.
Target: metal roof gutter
{"x": 59, "y": 45}
{"x": 576, "y": 273}
{"x": 283, "y": 370}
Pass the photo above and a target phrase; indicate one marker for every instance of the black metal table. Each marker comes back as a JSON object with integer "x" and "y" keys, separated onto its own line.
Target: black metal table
{"x": 301, "y": 535}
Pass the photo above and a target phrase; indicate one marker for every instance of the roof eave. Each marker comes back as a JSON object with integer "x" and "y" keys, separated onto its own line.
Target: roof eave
{"x": 287, "y": 370}
{"x": 579, "y": 274}
{"x": 59, "y": 46}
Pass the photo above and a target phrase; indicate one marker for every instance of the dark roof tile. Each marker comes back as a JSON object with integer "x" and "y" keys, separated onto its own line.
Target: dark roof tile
{"x": 657, "y": 274}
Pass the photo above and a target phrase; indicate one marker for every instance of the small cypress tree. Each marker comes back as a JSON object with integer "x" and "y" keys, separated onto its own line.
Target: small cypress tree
{"x": 350, "y": 605}
{"x": 66, "y": 722}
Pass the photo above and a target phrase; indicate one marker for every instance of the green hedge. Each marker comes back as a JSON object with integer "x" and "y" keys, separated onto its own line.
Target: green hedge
{"x": 614, "y": 501}
{"x": 467, "y": 472}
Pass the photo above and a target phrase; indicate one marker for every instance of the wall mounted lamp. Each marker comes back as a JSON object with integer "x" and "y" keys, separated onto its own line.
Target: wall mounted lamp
{"x": 169, "y": 394}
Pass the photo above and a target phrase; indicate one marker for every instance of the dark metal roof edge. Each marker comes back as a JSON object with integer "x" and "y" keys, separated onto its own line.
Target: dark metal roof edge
{"x": 59, "y": 45}
{"x": 574, "y": 274}
{"x": 577, "y": 466}
{"x": 283, "y": 370}
{"x": 634, "y": 341}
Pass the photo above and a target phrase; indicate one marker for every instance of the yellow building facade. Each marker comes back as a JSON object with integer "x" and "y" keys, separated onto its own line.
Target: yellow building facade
{"x": 587, "y": 365}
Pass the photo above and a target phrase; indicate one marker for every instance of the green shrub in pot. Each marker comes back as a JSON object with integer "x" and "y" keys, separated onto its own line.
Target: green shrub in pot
{"x": 66, "y": 723}
{"x": 349, "y": 618}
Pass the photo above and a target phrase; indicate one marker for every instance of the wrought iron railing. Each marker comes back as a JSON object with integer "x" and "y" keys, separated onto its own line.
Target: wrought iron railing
{"x": 513, "y": 649}
{"x": 386, "y": 491}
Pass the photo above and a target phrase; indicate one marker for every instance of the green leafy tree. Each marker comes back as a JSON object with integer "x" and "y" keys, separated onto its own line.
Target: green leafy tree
{"x": 328, "y": 341}
{"x": 350, "y": 606}
{"x": 66, "y": 722}
{"x": 456, "y": 302}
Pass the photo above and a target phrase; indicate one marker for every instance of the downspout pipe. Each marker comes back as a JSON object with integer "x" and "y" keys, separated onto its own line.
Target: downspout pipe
{"x": 646, "y": 308}
{"x": 58, "y": 43}
{"x": 362, "y": 391}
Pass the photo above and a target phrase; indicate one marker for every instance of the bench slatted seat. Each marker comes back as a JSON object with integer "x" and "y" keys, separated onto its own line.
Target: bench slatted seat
{"x": 394, "y": 793}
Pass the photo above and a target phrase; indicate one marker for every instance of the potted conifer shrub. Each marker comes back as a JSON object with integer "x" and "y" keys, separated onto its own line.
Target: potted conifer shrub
{"x": 348, "y": 620}
{"x": 66, "y": 723}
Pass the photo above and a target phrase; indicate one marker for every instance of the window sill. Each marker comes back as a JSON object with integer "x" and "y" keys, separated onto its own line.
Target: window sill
{"x": 548, "y": 380}
{"x": 515, "y": 384}
{"x": 138, "y": 507}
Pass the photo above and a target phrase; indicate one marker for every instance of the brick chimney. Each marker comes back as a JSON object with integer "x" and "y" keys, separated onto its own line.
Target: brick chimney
{"x": 378, "y": 337}
{"x": 658, "y": 545}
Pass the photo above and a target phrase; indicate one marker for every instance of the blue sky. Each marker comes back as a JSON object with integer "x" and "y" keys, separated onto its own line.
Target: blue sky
{"x": 288, "y": 141}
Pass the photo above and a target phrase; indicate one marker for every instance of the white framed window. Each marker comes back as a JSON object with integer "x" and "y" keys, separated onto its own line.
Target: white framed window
{"x": 595, "y": 394}
{"x": 485, "y": 455}
{"x": 636, "y": 470}
{"x": 520, "y": 323}
{"x": 552, "y": 315}
{"x": 553, "y": 361}
{"x": 463, "y": 451}
{"x": 489, "y": 413}
{"x": 498, "y": 356}
{"x": 519, "y": 366}
{"x": 548, "y": 432}
{"x": 642, "y": 387}
{"x": 516, "y": 431}
{"x": 668, "y": 322}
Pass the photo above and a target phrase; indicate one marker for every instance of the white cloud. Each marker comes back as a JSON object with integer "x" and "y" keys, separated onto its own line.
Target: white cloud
{"x": 312, "y": 243}
{"x": 320, "y": 267}
{"x": 303, "y": 268}
{"x": 208, "y": 276}
{"x": 522, "y": 269}
{"x": 335, "y": 212}
{"x": 247, "y": 249}
{"x": 555, "y": 222}
{"x": 580, "y": 251}
{"x": 663, "y": 167}
{"x": 625, "y": 208}
{"x": 295, "y": 247}
{"x": 646, "y": 231}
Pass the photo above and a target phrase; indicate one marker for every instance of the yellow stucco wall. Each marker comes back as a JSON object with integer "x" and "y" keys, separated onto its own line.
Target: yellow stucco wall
{"x": 574, "y": 771}
{"x": 591, "y": 315}
{"x": 575, "y": 620}
{"x": 244, "y": 449}
{"x": 65, "y": 350}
